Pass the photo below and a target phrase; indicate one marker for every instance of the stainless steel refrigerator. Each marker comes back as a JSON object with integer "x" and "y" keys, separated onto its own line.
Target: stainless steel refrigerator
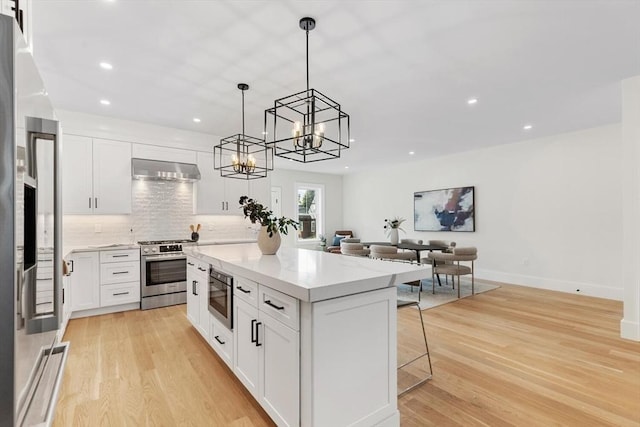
{"x": 32, "y": 357}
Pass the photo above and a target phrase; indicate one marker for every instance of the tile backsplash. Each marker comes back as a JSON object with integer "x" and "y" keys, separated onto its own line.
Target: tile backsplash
{"x": 160, "y": 210}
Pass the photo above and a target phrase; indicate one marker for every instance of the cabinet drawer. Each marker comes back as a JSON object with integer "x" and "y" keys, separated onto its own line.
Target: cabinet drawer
{"x": 121, "y": 293}
{"x": 279, "y": 306}
{"x": 221, "y": 340}
{"x": 119, "y": 256}
{"x": 246, "y": 289}
{"x": 119, "y": 272}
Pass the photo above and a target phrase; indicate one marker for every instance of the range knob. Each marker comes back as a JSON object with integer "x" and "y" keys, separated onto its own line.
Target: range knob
{"x": 146, "y": 250}
{"x": 153, "y": 249}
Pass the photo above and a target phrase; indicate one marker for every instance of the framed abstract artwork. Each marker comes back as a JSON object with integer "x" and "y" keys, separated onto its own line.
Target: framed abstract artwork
{"x": 451, "y": 209}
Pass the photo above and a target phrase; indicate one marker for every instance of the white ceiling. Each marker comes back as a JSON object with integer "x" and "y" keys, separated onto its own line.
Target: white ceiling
{"x": 403, "y": 70}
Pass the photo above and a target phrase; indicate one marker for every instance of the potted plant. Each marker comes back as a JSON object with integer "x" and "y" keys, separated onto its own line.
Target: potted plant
{"x": 269, "y": 237}
{"x": 392, "y": 226}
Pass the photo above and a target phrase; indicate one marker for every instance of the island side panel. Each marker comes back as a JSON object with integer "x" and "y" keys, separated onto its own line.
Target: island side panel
{"x": 349, "y": 361}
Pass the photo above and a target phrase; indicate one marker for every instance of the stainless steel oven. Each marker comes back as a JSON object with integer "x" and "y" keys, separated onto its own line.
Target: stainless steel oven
{"x": 163, "y": 274}
{"x": 221, "y": 297}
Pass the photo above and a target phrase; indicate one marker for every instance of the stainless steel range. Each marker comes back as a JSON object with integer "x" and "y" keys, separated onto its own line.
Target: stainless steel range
{"x": 163, "y": 278}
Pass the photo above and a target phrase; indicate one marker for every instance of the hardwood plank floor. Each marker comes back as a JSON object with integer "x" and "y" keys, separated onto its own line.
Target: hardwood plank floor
{"x": 514, "y": 356}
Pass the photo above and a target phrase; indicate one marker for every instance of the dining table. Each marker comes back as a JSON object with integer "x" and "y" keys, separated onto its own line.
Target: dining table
{"x": 413, "y": 247}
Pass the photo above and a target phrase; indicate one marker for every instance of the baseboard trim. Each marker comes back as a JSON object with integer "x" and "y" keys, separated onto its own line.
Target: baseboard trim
{"x": 630, "y": 330}
{"x": 105, "y": 310}
{"x": 567, "y": 286}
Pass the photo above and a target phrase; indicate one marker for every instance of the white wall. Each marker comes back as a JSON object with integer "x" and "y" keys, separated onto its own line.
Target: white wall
{"x": 547, "y": 210}
{"x": 287, "y": 179}
{"x": 630, "y": 324}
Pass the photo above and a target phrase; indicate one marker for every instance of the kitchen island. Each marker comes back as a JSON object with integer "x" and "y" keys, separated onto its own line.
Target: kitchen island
{"x": 314, "y": 333}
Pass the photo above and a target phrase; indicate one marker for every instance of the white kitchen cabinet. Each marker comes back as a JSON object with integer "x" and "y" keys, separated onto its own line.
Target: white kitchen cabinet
{"x": 85, "y": 280}
{"x": 246, "y": 351}
{"x": 165, "y": 154}
{"x": 96, "y": 174}
{"x": 267, "y": 353}
{"x": 279, "y": 358}
{"x": 193, "y": 308}
{"x": 221, "y": 339}
{"x": 101, "y": 280}
{"x": 214, "y": 194}
{"x": 198, "y": 296}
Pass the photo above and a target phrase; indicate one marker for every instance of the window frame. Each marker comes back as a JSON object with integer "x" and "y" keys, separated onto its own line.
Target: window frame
{"x": 320, "y": 211}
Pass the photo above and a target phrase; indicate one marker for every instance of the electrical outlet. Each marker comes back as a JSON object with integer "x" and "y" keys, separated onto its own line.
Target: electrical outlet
{"x": 97, "y": 228}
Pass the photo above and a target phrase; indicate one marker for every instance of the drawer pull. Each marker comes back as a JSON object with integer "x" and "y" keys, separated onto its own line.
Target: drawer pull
{"x": 121, "y": 293}
{"x": 120, "y": 256}
{"x": 241, "y": 289}
{"x": 277, "y": 307}
{"x": 217, "y": 337}
{"x": 190, "y": 263}
{"x": 120, "y": 272}
{"x": 202, "y": 269}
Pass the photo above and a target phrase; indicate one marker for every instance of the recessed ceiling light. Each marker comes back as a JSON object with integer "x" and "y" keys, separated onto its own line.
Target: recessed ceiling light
{"x": 346, "y": 167}
{"x": 105, "y": 102}
{"x": 472, "y": 101}
{"x": 352, "y": 140}
{"x": 196, "y": 120}
{"x": 527, "y": 127}
{"x": 106, "y": 66}
{"x": 411, "y": 153}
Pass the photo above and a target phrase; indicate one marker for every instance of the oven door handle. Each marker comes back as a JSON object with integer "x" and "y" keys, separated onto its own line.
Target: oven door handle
{"x": 163, "y": 257}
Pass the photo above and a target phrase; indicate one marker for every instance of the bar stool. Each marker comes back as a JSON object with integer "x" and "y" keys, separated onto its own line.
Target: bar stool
{"x": 402, "y": 303}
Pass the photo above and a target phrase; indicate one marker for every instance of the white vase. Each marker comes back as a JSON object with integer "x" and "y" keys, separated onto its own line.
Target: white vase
{"x": 393, "y": 236}
{"x": 268, "y": 245}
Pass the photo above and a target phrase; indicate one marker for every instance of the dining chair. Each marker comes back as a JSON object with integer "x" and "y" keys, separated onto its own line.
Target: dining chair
{"x": 449, "y": 264}
{"x": 353, "y": 248}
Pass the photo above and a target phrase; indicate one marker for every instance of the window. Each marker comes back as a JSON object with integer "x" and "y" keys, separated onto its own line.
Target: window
{"x": 310, "y": 211}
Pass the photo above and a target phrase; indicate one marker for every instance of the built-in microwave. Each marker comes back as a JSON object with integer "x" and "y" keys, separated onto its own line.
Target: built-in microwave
{"x": 221, "y": 297}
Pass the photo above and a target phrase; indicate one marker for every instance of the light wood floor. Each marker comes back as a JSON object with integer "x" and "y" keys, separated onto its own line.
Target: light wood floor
{"x": 514, "y": 356}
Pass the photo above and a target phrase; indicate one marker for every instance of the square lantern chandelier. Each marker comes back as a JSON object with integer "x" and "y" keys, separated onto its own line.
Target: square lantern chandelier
{"x": 242, "y": 156}
{"x": 307, "y": 126}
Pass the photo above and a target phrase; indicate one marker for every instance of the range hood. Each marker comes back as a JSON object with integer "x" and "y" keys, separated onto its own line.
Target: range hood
{"x": 164, "y": 171}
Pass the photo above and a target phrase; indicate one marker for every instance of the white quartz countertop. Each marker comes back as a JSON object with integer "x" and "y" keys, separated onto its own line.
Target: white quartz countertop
{"x": 306, "y": 274}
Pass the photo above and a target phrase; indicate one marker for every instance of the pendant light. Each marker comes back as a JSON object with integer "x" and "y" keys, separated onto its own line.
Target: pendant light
{"x": 242, "y": 156}
{"x": 307, "y": 126}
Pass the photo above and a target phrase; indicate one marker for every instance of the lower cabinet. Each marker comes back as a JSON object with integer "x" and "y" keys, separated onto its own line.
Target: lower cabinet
{"x": 103, "y": 279}
{"x": 85, "y": 281}
{"x": 267, "y": 360}
{"x": 221, "y": 339}
{"x": 198, "y": 295}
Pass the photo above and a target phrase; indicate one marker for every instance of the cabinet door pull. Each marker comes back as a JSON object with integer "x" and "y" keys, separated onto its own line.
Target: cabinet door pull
{"x": 277, "y": 307}
{"x": 195, "y": 286}
{"x": 121, "y": 293}
{"x": 253, "y": 328}
{"x": 258, "y": 344}
{"x": 217, "y": 337}
{"x": 120, "y": 272}
{"x": 241, "y": 289}
{"x": 222, "y": 203}
{"x": 71, "y": 271}
{"x": 89, "y": 202}
{"x": 96, "y": 203}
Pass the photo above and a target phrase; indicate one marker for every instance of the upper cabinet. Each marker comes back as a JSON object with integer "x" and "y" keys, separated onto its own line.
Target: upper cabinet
{"x": 166, "y": 154}
{"x": 96, "y": 176}
{"x": 213, "y": 194}
{"x": 260, "y": 190}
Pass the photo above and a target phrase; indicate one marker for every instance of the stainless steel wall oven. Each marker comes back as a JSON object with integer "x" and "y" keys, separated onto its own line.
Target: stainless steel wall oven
{"x": 221, "y": 297}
